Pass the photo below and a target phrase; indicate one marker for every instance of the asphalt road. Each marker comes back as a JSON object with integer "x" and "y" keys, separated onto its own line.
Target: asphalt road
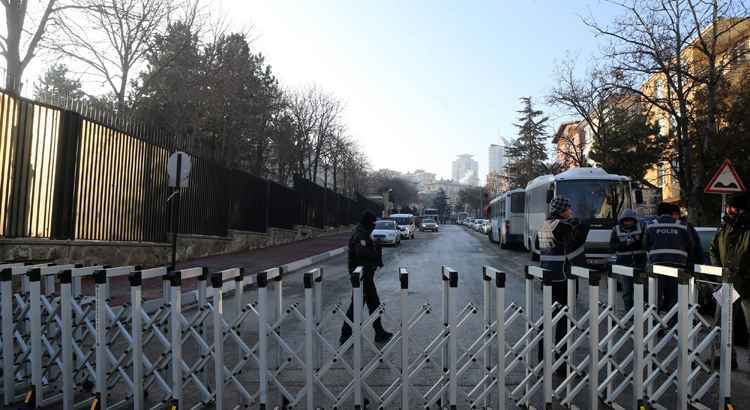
{"x": 454, "y": 246}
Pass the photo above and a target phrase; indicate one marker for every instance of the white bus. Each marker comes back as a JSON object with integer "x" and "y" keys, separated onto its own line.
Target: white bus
{"x": 597, "y": 199}
{"x": 507, "y": 220}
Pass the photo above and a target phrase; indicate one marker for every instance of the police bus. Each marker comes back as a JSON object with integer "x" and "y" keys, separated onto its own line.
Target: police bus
{"x": 597, "y": 199}
{"x": 506, "y": 213}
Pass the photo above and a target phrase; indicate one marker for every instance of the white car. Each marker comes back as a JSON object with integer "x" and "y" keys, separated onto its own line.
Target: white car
{"x": 406, "y": 225}
{"x": 429, "y": 225}
{"x": 485, "y": 226}
{"x": 386, "y": 233}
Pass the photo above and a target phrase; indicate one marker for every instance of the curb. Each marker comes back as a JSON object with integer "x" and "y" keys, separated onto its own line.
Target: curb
{"x": 303, "y": 263}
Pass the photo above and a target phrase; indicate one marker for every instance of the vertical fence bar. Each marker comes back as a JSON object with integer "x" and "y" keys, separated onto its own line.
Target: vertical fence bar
{"x": 309, "y": 325}
{"x": 529, "y": 305}
{"x": 594, "y": 278}
{"x": 486, "y": 323}
{"x": 278, "y": 308}
{"x": 66, "y": 308}
{"x": 548, "y": 338}
{"x": 725, "y": 369}
{"x": 263, "y": 339}
{"x": 638, "y": 323}
{"x": 500, "y": 334}
{"x": 136, "y": 330}
{"x": 6, "y": 287}
{"x": 453, "y": 339}
{"x": 35, "y": 310}
{"x": 203, "y": 329}
{"x": 683, "y": 335}
{"x": 218, "y": 323}
{"x": 611, "y": 304}
{"x": 357, "y": 334}
{"x": 571, "y": 298}
{"x": 175, "y": 325}
{"x": 444, "y": 350}
{"x": 318, "y": 291}
{"x": 403, "y": 276}
{"x": 100, "y": 278}
{"x": 653, "y": 295}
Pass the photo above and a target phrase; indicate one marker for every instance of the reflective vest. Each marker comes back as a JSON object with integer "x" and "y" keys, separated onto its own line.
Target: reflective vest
{"x": 634, "y": 255}
{"x": 668, "y": 242}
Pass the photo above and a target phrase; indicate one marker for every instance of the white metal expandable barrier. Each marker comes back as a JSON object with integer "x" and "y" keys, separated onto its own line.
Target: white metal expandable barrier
{"x": 181, "y": 340}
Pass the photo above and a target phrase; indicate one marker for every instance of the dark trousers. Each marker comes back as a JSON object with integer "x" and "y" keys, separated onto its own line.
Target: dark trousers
{"x": 559, "y": 295}
{"x": 371, "y": 299}
{"x": 667, "y": 293}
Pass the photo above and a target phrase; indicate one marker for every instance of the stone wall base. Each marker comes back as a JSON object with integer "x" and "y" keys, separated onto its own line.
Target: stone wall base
{"x": 150, "y": 253}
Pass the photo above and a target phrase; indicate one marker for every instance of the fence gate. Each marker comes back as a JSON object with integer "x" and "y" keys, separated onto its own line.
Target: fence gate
{"x": 192, "y": 339}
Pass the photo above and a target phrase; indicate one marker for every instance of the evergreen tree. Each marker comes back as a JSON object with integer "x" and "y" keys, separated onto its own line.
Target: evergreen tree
{"x": 56, "y": 84}
{"x": 628, "y": 144}
{"x": 527, "y": 154}
{"x": 441, "y": 202}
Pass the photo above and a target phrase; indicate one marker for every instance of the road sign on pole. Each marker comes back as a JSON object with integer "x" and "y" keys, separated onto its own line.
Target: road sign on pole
{"x": 178, "y": 167}
{"x": 725, "y": 181}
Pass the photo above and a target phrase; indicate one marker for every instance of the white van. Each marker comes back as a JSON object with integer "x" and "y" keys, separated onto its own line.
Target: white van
{"x": 407, "y": 224}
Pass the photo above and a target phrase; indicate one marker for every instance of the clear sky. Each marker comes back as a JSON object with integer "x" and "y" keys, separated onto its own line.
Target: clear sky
{"x": 424, "y": 80}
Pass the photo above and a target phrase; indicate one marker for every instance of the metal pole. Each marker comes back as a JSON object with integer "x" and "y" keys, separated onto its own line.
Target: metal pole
{"x": 218, "y": 312}
{"x": 175, "y": 322}
{"x": 136, "y": 330}
{"x": 723, "y": 207}
{"x": 444, "y": 350}
{"x": 611, "y": 304}
{"x": 35, "y": 309}
{"x": 176, "y": 213}
{"x": 683, "y": 329}
{"x": 500, "y": 331}
{"x": 309, "y": 325}
{"x": 486, "y": 322}
{"x": 66, "y": 308}
{"x": 571, "y": 297}
{"x": 100, "y": 277}
{"x": 594, "y": 278}
{"x": 453, "y": 339}
{"x": 638, "y": 322}
{"x": 530, "y": 329}
{"x": 263, "y": 338}
{"x": 405, "y": 383}
{"x": 357, "y": 335}
{"x": 548, "y": 338}
{"x": 203, "y": 330}
{"x": 725, "y": 369}
{"x": 6, "y": 284}
{"x": 653, "y": 294}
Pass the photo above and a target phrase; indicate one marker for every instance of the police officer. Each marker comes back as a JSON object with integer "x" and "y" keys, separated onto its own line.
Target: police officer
{"x": 668, "y": 242}
{"x": 365, "y": 253}
{"x": 627, "y": 243}
{"x": 561, "y": 241}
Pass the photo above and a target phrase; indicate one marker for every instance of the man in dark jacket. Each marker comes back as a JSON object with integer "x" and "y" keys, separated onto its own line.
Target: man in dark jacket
{"x": 365, "y": 253}
{"x": 561, "y": 241}
{"x": 697, "y": 253}
{"x": 668, "y": 242}
{"x": 731, "y": 248}
{"x": 627, "y": 243}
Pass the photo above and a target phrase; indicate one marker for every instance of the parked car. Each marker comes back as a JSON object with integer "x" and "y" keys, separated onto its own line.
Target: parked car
{"x": 485, "y": 227}
{"x": 406, "y": 225}
{"x": 386, "y": 233}
{"x": 429, "y": 225}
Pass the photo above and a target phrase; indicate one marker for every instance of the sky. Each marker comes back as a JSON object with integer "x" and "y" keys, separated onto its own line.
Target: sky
{"x": 422, "y": 81}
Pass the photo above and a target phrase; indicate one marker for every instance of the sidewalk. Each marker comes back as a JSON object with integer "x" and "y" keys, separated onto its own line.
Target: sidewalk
{"x": 253, "y": 261}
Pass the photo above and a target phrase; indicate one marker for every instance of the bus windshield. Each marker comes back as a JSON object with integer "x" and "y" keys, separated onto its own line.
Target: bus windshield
{"x": 596, "y": 202}
{"x": 403, "y": 220}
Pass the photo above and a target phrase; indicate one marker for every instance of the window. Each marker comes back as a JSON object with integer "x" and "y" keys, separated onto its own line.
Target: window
{"x": 661, "y": 174}
{"x": 516, "y": 202}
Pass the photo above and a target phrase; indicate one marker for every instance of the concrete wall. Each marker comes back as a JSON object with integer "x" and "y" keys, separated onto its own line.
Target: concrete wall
{"x": 152, "y": 254}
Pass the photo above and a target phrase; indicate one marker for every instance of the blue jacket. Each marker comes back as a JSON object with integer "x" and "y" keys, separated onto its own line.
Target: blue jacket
{"x": 627, "y": 243}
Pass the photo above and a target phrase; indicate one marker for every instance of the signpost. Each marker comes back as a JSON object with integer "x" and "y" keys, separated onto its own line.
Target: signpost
{"x": 178, "y": 170}
{"x": 725, "y": 181}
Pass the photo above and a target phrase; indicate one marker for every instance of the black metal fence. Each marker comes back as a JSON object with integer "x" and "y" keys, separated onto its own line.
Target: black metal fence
{"x": 67, "y": 175}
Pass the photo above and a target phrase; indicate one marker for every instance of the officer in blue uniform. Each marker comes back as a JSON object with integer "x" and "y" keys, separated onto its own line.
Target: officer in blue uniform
{"x": 627, "y": 243}
{"x": 668, "y": 242}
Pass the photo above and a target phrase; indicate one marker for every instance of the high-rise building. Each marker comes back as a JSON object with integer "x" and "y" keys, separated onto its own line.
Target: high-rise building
{"x": 466, "y": 170}
{"x": 497, "y": 160}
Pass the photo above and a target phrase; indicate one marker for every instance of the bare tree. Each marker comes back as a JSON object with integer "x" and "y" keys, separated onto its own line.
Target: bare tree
{"x": 26, "y": 27}
{"x": 651, "y": 42}
{"x": 329, "y": 110}
{"x": 112, "y": 37}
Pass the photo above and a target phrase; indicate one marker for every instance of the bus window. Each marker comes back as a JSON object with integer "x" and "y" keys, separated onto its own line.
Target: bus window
{"x": 516, "y": 202}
